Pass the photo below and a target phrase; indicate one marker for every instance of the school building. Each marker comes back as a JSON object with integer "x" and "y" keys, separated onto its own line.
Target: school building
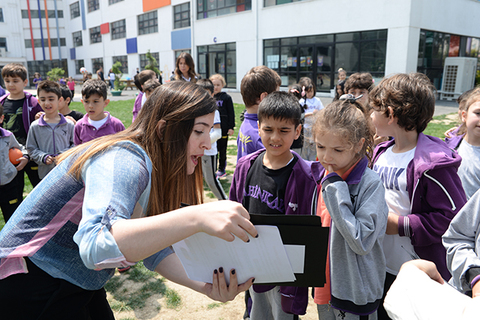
{"x": 296, "y": 38}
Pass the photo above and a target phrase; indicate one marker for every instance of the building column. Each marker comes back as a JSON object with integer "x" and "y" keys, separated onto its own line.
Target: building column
{"x": 402, "y": 50}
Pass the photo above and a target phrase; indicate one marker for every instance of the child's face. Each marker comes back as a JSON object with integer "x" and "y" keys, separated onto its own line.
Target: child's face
{"x": 217, "y": 86}
{"x": 309, "y": 93}
{"x": 357, "y": 92}
{"x": 49, "y": 102}
{"x": 471, "y": 118}
{"x": 342, "y": 76}
{"x": 339, "y": 90}
{"x": 277, "y": 137}
{"x": 381, "y": 122}
{"x": 15, "y": 85}
{"x": 183, "y": 66}
{"x": 62, "y": 104}
{"x": 94, "y": 106}
{"x": 335, "y": 154}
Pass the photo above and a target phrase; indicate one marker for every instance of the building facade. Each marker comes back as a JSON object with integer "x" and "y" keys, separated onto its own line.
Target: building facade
{"x": 296, "y": 38}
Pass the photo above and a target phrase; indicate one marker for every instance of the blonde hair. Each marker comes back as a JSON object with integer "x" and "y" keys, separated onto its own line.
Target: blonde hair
{"x": 218, "y": 77}
{"x": 178, "y": 103}
{"x": 347, "y": 120}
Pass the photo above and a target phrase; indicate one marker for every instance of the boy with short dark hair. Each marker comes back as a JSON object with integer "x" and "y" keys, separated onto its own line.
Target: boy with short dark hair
{"x": 256, "y": 85}
{"x": 139, "y": 80}
{"x": 96, "y": 122}
{"x": 51, "y": 134}
{"x": 11, "y": 193}
{"x": 419, "y": 172}
{"x": 291, "y": 184}
{"x": 359, "y": 84}
{"x": 63, "y": 107}
{"x": 20, "y": 108}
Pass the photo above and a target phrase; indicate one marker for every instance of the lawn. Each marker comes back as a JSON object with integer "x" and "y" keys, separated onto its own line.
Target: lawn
{"x": 122, "y": 110}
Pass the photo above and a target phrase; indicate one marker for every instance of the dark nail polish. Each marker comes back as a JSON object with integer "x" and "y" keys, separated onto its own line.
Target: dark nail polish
{"x": 215, "y": 271}
{"x": 253, "y": 280}
{"x": 248, "y": 240}
{"x": 256, "y": 236}
{"x": 220, "y": 270}
{"x": 233, "y": 271}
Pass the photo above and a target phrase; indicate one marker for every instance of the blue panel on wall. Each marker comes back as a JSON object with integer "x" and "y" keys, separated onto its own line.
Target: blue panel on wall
{"x": 73, "y": 54}
{"x": 181, "y": 39}
{"x": 132, "y": 45}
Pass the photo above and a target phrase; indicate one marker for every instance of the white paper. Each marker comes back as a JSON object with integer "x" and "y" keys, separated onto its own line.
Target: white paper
{"x": 296, "y": 256}
{"x": 263, "y": 258}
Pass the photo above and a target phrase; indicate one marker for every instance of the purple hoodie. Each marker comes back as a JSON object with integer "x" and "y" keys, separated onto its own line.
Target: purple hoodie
{"x": 436, "y": 195}
{"x": 29, "y": 110}
{"x": 301, "y": 189}
{"x": 137, "y": 106}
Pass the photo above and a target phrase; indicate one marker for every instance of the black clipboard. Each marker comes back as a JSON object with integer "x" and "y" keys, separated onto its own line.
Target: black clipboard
{"x": 304, "y": 230}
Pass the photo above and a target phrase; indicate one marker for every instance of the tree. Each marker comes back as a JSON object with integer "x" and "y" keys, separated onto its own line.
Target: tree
{"x": 118, "y": 74}
{"x": 152, "y": 63}
{"x": 55, "y": 74}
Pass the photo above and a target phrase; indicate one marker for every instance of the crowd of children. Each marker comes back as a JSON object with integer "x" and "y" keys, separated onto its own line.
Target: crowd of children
{"x": 387, "y": 191}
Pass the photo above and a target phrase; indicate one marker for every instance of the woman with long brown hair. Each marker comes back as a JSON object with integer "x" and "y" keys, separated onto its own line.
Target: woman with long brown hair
{"x": 112, "y": 202}
{"x": 185, "y": 68}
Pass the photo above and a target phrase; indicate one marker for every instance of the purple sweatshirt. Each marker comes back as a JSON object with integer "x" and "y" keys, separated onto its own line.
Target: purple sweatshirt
{"x": 137, "y": 106}
{"x": 436, "y": 195}
{"x": 85, "y": 132}
{"x": 301, "y": 190}
{"x": 29, "y": 110}
{"x": 248, "y": 140}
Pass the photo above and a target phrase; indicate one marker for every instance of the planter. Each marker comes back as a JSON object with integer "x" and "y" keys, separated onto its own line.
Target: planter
{"x": 116, "y": 93}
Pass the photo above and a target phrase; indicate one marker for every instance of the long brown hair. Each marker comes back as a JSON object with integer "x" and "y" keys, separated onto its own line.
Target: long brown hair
{"x": 191, "y": 67}
{"x": 178, "y": 103}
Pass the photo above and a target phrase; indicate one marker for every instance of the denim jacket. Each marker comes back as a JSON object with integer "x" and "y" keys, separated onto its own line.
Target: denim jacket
{"x": 63, "y": 225}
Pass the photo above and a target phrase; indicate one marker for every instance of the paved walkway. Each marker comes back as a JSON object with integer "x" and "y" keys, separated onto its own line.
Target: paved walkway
{"x": 441, "y": 106}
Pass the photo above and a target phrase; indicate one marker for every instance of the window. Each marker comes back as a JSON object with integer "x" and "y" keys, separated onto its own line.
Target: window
{"x": 181, "y": 15}
{"x": 144, "y": 61}
{"x": 118, "y": 29}
{"x": 123, "y": 60}
{"x": 219, "y": 58}
{"x": 147, "y": 23}
{"x": 78, "y": 65}
{"x": 74, "y": 10}
{"x": 34, "y": 14}
{"x": 269, "y": 3}
{"x": 77, "y": 39}
{"x": 93, "y": 5}
{"x": 96, "y": 64}
{"x": 113, "y": 1}
{"x": 1, "y": 15}
{"x": 3, "y": 43}
{"x": 320, "y": 56}
{"x": 95, "y": 35}
{"x": 213, "y": 8}
{"x": 38, "y": 42}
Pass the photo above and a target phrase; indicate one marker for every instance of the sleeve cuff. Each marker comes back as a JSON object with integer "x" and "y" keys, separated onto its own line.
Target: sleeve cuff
{"x": 404, "y": 227}
{"x": 330, "y": 178}
{"x": 472, "y": 276}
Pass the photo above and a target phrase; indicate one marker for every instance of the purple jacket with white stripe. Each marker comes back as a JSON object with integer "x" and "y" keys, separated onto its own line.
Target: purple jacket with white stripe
{"x": 436, "y": 195}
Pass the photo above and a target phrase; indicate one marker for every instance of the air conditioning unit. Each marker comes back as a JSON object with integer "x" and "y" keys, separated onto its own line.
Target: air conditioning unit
{"x": 458, "y": 77}
{"x": 3, "y": 53}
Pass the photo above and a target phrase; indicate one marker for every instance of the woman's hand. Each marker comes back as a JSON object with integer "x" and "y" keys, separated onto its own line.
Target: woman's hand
{"x": 224, "y": 219}
{"x": 218, "y": 289}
